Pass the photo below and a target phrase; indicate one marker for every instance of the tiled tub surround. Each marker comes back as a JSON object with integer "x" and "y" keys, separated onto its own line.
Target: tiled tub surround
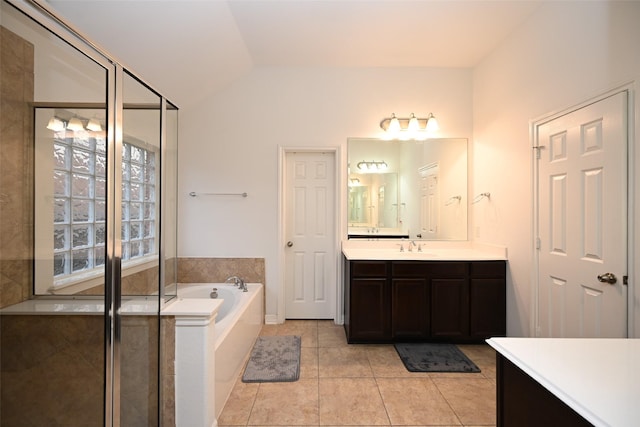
{"x": 216, "y": 270}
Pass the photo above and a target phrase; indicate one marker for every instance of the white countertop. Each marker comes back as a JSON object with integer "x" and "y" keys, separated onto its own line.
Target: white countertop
{"x": 430, "y": 251}
{"x": 597, "y": 378}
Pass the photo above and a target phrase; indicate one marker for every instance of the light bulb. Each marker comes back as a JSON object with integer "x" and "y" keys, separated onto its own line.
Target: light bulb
{"x": 413, "y": 126}
{"x": 394, "y": 124}
{"x": 94, "y": 125}
{"x": 432, "y": 124}
{"x": 55, "y": 124}
{"x": 75, "y": 124}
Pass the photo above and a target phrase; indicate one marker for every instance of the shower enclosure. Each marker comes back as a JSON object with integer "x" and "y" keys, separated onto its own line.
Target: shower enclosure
{"x": 88, "y": 239}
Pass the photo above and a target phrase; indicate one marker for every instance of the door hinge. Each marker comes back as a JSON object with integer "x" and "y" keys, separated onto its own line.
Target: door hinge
{"x": 625, "y": 280}
{"x": 537, "y": 243}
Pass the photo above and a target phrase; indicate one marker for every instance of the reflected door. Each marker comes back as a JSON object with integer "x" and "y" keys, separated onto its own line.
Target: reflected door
{"x": 429, "y": 202}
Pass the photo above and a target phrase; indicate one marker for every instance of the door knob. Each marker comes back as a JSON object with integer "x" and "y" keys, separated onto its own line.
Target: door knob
{"x": 289, "y": 243}
{"x": 609, "y": 278}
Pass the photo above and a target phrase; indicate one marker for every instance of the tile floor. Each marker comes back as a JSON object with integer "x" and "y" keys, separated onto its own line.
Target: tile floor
{"x": 358, "y": 384}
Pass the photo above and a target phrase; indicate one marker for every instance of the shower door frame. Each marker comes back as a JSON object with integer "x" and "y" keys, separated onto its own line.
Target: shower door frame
{"x": 42, "y": 14}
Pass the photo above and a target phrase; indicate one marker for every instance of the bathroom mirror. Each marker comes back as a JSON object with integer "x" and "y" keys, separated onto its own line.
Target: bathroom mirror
{"x": 407, "y": 189}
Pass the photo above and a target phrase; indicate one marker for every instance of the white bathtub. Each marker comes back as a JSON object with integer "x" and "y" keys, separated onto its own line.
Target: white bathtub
{"x": 236, "y": 328}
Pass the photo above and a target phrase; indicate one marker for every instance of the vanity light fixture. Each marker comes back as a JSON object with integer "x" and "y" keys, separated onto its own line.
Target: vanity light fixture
{"x": 411, "y": 127}
{"x": 373, "y": 166}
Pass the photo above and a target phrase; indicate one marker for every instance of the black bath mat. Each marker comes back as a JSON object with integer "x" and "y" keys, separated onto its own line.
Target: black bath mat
{"x": 274, "y": 359}
{"x": 434, "y": 357}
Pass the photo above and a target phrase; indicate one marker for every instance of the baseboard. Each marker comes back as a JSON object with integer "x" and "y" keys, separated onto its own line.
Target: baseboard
{"x": 270, "y": 319}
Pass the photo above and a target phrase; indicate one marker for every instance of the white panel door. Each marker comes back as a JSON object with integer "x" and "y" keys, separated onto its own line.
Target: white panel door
{"x": 582, "y": 221}
{"x": 310, "y": 258}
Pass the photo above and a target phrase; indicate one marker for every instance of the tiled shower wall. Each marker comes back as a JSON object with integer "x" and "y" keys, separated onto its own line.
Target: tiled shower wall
{"x": 16, "y": 168}
{"x": 53, "y": 371}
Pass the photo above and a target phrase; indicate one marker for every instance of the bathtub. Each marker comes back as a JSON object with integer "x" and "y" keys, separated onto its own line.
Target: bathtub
{"x": 236, "y": 327}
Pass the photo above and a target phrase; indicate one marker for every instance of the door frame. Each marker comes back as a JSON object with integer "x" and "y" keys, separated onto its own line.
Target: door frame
{"x": 633, "y": 195}
{"x": 340, "y": 183}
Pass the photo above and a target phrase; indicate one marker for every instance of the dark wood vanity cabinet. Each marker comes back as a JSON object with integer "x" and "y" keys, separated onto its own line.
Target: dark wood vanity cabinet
{"x": 455, "y": 301}
{"x": 367, "y": 304}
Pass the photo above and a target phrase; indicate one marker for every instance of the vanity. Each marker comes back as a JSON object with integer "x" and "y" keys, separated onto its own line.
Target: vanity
{"x": 410, "y": 274}
{"x": 447, "y": 291}
{"x": 568, "y": 382}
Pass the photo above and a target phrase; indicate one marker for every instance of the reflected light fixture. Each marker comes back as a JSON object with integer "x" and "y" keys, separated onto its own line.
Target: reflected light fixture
{"x": 94, "y": 125}
{"x": 373, "y": 166}
{"x": 55, "y": 124}
{"x": 411, "y": 127}
{"x": 75, "y": 124}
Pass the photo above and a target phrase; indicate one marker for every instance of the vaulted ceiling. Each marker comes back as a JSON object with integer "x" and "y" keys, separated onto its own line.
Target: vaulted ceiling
{"x": 188, "y": 48}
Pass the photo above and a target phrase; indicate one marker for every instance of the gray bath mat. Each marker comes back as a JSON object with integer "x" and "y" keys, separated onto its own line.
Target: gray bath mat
{"x": 434, "y": 357}
{"x": 274, "y": 359}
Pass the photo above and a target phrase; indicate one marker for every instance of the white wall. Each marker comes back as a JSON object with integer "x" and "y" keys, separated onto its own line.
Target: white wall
{"x": 229, "y": 143}
{"x": 566, "y": 53}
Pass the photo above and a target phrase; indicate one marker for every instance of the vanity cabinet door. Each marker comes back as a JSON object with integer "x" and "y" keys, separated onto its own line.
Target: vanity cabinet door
{"x": 450, "y": 308}
{"x": 488, "y": 301}
{"x": 409, "y": 309}
{"x": 370, "y": 308}
{"x": 367, "y": 301}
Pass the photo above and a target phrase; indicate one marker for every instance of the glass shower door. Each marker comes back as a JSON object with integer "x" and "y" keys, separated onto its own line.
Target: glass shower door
{"x": 53, "y": 220}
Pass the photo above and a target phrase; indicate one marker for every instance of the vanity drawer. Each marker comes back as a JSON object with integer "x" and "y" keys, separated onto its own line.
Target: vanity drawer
{"x": 369, "y": 268}
{"x": 428, "y": 269}
{"x": 489, "y": 269}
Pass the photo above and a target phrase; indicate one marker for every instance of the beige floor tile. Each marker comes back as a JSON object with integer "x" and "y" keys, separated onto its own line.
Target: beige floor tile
{"x": 308, "y": 332}
{"x": 341, "y": 362}
{"x": 483, "y": 356}
{"x": 473, "y": 400}
{"x": 238, "y": 407}
{"x": 415, "y": 401}
{"x": 308, "y": 362}
{"x": 269, "y": 330}
{"x": 328, "y": 323}
{"x": 286, "y": 404}
{"x": 385, "y": 362}
{"x": 351, "y": 401}
{"x": 331, "y": 337}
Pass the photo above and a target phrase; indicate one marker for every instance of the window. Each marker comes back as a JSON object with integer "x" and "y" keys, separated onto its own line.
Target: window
{"x": 79, "y": 176}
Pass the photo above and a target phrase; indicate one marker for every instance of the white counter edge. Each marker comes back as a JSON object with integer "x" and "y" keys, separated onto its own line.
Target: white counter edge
{"x": 583, "y": 411}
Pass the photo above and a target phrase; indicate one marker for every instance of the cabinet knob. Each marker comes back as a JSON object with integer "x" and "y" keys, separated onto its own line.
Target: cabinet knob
{"x": 289, "y": 243}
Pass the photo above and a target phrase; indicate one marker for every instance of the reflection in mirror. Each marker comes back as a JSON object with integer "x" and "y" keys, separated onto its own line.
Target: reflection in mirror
{"x": 407, "y": 189}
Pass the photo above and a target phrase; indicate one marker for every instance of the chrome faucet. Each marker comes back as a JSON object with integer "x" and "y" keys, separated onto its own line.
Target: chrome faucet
{"x": 411, "y": 245}
{"x": 237, "y": 281}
